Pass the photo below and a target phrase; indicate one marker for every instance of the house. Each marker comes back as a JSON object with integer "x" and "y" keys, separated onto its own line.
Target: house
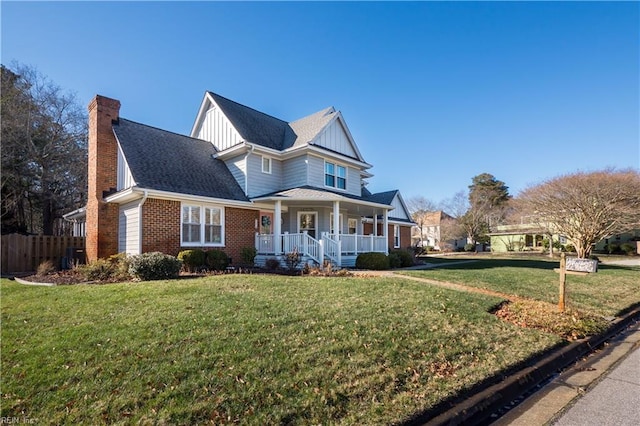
{"x": 242, "y": 178}
{"x": 431, "y": 227}
{"x": 530, "y": 237}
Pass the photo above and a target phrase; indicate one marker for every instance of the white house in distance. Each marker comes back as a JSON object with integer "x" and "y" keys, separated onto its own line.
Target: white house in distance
{"x": 432, "y": 230}
{"x": 241, "y": 178}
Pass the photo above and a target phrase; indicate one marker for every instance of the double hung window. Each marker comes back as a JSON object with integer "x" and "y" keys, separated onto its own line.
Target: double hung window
{"x": 202, "y": 225}
{"x": 335, "y": 175}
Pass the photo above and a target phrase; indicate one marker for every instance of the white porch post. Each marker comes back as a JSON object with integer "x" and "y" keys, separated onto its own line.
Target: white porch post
{"x": 277, "y": 228}
{"x": 375, "y": 223}
{"x": 336, "y": 220}
{"x": 385, "y": 232}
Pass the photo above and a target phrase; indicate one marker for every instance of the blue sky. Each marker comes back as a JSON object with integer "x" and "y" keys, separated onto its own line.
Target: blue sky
{"x": 433, "y": 93}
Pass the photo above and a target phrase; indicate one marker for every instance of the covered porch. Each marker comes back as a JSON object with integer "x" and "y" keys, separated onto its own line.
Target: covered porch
{"x": 320, "y": 226}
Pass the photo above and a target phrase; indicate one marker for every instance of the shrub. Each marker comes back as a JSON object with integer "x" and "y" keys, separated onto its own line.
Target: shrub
{"x": 114, "y": 268}
{"x": 217, "y": 260}
{"x": 627, "y": 248}
{"x": 192, "y": 260}
{"x": 272, "y": 264}
{"x": 406, "y": 259}
{"x": 248, "y": 255}
{"x": 293, "y": 259}
{"x": 469, "y": 247}
{"x": 375, "y": 261}
{"x": 45, "y": 268}
{"x": 570, "y": 248}
{"x": 394, "y": 260}
{"x": 154, "y": 266}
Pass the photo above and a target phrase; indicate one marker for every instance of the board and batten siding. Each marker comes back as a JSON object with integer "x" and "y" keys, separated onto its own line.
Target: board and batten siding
{"x": 334, "y": 137}
{"x": 125, "y": 178}
{"x": 398, "y": 211}
{"x": 238, "y": 168}
{"x": 263, "y": 183}
{"x": 129, "y": 228}
{"x": 216, "y": 129}
{"x": 294, "y": 172}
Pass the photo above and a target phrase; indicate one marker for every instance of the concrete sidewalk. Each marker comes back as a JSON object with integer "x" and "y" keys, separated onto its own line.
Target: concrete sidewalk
{"x": 603, "y": 389}
{"x": 615, "y": 400}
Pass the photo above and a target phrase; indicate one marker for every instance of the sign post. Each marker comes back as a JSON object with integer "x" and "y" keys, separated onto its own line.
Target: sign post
{"x": 563, "y": 281}
{"x": 574, "y": 267}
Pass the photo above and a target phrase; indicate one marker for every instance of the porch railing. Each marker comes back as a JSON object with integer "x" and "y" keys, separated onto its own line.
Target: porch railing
{"x": 348, "y": 244}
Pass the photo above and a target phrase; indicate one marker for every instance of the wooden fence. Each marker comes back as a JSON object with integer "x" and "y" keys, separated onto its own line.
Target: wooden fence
{"x": 23, "y": 253}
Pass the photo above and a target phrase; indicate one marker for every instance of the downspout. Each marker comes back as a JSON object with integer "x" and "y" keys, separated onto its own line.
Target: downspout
{"x": 140, "y": 221}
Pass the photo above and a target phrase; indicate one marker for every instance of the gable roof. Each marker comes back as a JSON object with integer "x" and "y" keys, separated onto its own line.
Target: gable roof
{"x": 255, "y": 126}
{"x": 149, "y": 150}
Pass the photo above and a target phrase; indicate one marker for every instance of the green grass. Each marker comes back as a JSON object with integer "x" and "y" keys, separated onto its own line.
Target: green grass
{"x": 607, "y": 292}
{"x": 248, "y": 348}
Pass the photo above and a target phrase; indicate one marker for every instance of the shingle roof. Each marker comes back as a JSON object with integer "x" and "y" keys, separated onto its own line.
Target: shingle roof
{"x": 255, "y": 126}
{"x": 381, "y": 197}
{"x": 314, "y": 193}
{"x": 271, "y": 132}
{"x": 167, "y": 161}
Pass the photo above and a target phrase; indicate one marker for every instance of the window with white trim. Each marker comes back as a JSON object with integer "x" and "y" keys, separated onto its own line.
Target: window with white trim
{"x": 396, "y": 236}
{"x": 202, "y": 225}
{"x": 353, "y": 226}
{"x": 266, "y": 165}
{"x": 335, "y": 175}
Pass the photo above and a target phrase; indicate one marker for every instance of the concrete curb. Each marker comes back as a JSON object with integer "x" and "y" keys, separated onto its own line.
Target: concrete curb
{"x": 478, "y": 408}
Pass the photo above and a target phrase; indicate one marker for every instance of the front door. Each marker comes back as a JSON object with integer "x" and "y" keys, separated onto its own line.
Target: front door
{"x": 266, "y": 221}
{"x": 307, "y": 222}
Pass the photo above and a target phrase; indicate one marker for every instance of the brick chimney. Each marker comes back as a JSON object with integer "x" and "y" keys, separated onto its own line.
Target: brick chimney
{"x": 102, "y": 218}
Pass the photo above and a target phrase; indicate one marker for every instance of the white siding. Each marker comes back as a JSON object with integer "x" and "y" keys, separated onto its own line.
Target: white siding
{"x": 238, "y": 168}
{"x": 399, "y": 211}
{"x": 335, "y": 138}
{"x": 294, "y": 172}
{"x": 129, "y": 228}
{"x": 263, "y": 183}
{"x": 125, "y": 178}
{"x": 216, "y": 129}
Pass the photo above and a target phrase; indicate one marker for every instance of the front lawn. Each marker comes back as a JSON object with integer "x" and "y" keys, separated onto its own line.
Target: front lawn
{"x": 248, "y": 348}
{"x": 611, "y": 290}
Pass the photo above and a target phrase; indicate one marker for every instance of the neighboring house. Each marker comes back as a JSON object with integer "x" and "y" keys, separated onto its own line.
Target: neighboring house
{"x": 429, "y": 235}
{"x": 530, "y": 237}
{"x": 242, "y": 178}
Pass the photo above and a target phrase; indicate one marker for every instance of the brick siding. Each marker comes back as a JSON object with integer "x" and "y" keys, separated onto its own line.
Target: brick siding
{"x": 405, "y": 234}
{"x": 102, "y": 218}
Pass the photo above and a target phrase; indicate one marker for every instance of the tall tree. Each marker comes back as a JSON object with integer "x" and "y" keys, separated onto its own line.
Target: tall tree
{"x": 44, "y": 151}
{"x": 587, "y": 207}
{"x": 420, "y": 209}
{"x": 488, "y": 200}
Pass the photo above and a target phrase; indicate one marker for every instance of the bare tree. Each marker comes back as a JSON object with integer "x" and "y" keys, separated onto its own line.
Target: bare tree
{"x": 586, "y": 207}
{"x": 421, "y": 209}
{"x": 44, "y": 151}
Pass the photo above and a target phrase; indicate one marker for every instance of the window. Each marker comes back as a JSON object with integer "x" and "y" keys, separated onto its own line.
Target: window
{"x": 353, "y": 226}
{"x": 202, "y": 225}
{"x": 335, "y": 175}
{"x": 266, "y": 165}
{"x": 396, "y": 236}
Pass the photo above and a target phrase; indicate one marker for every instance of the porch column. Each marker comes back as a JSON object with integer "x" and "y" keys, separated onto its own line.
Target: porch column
{"x": 277, "y": 228}
{"x": 336, "y": 220}
{"x": 375, "y": 223}
{"x": 386, "y": 230}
